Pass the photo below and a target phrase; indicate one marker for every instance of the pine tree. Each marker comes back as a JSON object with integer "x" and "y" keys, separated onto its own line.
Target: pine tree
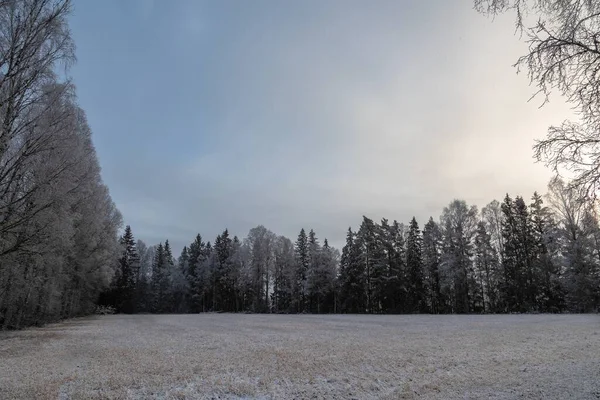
{"x": 520, "y": 285}
{"x": 300, "y": 294}
{"x": 414, "y": 267}
{"x": 159, "y": 276}
{"x": 126, "y": 278}
{"x": 387, "y": 291}
{"x": 179, "y": 282}
{"x": 380, "y": 269}
{"x": 432, "y": 238}
{"x": 237, "y": 260}
{"x": 168, "y": 301}
{"x": 352, "y": 276}
{"x": 529, "y": 286}
{"x": 205, "y": 273}
{"x": 322, "y": 275}
{"x": 195, "y": 284}
{"x": 550, "y": 297}
{"x": 223, "y": 279}
{"x": 512, "y": 271}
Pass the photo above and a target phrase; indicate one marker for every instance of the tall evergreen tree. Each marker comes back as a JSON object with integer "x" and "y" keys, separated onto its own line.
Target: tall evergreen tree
{"x": 126, "y": 278}
{"x": 160, "y": 284}
{"x": 352, "y": 276}
{"x": 389, "y": 288}
{"x": 550, "y": 297}
{"x": 224, "y": 291}
{"x": 193, "y": 275}
{"x": 300, "y": 293}
{"x": 313, "y": 283}
{"x": 369, "y": 254}
{"x": 432, "y": 238}
{"x": 179, "y": 284}
{"x": 511, "y": 261}
{"x": 414, "y": 267}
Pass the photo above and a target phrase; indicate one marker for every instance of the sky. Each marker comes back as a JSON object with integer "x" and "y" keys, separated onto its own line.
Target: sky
{"x": 209, "y": 115}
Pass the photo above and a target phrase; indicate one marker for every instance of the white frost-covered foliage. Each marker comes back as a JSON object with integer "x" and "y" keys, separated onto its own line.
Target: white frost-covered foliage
{"x": 58, "y": 224}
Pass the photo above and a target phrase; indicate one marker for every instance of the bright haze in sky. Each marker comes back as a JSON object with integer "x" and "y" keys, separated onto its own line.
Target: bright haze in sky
{"x": 230, "y": 114}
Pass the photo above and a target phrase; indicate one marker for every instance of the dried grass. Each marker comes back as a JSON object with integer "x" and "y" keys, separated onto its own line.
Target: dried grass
{"x": 223, "y": 356}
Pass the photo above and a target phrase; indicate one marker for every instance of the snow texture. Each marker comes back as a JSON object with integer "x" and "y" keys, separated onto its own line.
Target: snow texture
{"x": 224, "y": 356}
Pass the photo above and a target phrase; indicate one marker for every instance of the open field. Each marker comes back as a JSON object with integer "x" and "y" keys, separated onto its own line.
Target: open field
{"x": 224, "y": 356}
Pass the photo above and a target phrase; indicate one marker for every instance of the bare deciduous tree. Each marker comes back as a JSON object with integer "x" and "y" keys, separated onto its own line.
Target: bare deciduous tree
{"x": 564, "y": 55}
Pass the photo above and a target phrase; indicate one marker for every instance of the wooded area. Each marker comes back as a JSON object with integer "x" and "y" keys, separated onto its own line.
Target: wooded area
{"x": 58, "y": 224}
{"x": 510, "y": 257}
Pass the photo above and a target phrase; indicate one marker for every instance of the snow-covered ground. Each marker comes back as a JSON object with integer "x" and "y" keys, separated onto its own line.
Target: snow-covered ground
{"x": 223, "y": 356}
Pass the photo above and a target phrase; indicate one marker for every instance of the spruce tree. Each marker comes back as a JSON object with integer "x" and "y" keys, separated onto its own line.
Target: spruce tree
{"x": 352, "y": 276}
{"x": 414, "y": 266}
{"x": 223, "y": 280}
{"x": 300, "y": 293}
{"x": 168, "y": 301}
{"x": 550, "y": 297}
{"x": 369, "y": 254}
{"x": 316, "y": 277}
{"x": 519, "y": 286}
{"x": 159, "y": 275}
{"x": 512, "y": 272}
{"x": 196, "y": 258}
{"x": 126, "y": 278}
{"x": 388, "y": 282}
{"x": 529, "y": 286}
{"x": 179, "y": 287}
{"x": 432, "y": 238}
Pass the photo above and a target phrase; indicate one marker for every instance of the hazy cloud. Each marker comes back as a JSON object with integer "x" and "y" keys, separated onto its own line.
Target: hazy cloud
{"x": 308, "y": 115}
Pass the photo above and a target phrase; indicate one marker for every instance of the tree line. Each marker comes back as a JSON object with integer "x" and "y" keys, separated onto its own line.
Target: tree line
{"x": 58, "y": 225}
{"x": 512, "y": 256}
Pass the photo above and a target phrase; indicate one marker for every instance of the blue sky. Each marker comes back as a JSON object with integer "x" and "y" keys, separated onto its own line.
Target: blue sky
{"x": 231, "y": 114}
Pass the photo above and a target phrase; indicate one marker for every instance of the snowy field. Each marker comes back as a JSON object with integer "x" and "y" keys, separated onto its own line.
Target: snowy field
{"x": 223, "y": 356}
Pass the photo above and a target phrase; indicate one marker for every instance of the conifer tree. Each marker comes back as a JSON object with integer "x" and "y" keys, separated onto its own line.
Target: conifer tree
{"x": 179, "y": 284}
{"x": 432, "y": 238}
{"x": 196, "y": 258}
{"x": 223, "y": 292}
{"x": 352, "y": 276}
{"x": 414, "y": 267}
{"x": 369, "y": 254}
{"x": 550, "y": 297}
{"x": 300, "y": 294}
{"x": 126, "y": 278}
{"x": 388, "y": 282}
{"x": 160, "y": 281}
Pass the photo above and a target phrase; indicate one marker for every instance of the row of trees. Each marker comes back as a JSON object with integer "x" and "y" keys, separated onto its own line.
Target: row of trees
{"x": 262, "y": 273}
{"x": 510, "y": 257}
{"x": 58, "y": 224}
